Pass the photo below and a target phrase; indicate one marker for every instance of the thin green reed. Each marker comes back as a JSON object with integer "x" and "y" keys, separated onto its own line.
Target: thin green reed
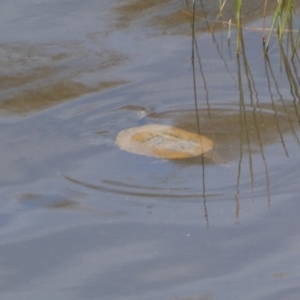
{"x": 296, "y": 43}
{"x": 238, "y": 7}
{"x": 281, "y": 17}
{"x": 287, "y": 8}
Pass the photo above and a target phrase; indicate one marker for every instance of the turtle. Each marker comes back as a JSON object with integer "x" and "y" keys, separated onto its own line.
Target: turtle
{"x": 165, "y": 142}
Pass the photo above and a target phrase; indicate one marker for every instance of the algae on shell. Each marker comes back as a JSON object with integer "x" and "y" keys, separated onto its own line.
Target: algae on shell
{"x": 163, "y": 141}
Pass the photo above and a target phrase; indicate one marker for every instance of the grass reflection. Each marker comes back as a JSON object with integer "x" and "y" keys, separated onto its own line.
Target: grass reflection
{"x": 283, "y": 116}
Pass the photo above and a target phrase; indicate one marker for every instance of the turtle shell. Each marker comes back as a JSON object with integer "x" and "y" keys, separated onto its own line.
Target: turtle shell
{"x": 163, "y": 141}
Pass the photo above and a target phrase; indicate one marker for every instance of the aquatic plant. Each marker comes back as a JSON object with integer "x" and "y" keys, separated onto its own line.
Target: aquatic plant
{"x": 238, "y": 7}
{"x": 252, "y": 139}
{"x": 282, "y": 21}
{"x": 282, "y": 15}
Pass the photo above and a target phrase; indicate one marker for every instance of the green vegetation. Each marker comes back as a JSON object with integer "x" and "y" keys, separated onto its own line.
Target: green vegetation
{"x": 282, "y": 15}
{"x": 238, "y": 7}
{"x": 282, "y": 21}
{"x": 267, "y": 85}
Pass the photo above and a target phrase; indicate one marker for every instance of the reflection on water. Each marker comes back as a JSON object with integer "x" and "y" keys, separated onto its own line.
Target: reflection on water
{"x": 244, "y": 106}
{"x": 257, "y": 126}
{"x": 40, "y": 98}
{"x": 173, "y": 17}
{"x": 39, "y": 74}
{"x": 84, "y": 220}
{"x": 38, "y": 198}
{"x": 38, "y": 77}
{"x": 204, "y": 297}
{"x": 74, "y": 202}
{"x": 242, "y": 137}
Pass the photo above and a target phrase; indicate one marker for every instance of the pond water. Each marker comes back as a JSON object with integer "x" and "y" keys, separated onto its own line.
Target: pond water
{"x": 81, "y": 218}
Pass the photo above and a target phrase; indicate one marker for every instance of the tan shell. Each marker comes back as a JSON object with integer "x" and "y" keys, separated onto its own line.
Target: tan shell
{"x": 163, "y": 141}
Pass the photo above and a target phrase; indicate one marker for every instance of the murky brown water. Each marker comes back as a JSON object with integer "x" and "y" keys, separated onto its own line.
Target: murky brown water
{"x": 82, "y": 219}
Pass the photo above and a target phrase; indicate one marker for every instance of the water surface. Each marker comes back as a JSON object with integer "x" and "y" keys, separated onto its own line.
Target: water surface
{"x": 82, "y": 219}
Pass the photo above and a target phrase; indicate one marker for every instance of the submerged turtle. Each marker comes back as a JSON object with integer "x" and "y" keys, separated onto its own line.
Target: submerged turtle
{"x": 164, "y": 142}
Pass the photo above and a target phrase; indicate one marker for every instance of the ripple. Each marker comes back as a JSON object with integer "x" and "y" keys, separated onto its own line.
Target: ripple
{"x": 139, "y": 191}
{"x": 255, "y": 142}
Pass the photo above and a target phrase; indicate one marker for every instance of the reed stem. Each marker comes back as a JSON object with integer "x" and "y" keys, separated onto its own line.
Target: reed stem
{"x": 238, "y": 6}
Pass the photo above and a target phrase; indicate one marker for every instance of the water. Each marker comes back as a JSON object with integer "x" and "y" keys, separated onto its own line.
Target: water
{"x": 82, "y": 219}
